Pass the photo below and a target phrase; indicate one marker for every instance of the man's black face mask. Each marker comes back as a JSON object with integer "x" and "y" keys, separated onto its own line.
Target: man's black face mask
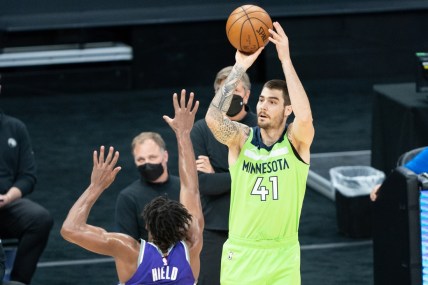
{"x": 150, "y": 172}
{"x": 235, "y": 106}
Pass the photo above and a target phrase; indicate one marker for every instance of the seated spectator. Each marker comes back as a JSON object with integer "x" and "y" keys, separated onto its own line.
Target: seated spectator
{"x": 20, "y": 218}
{"x": 150, "y": 158}
{"x": 2, "y": 264}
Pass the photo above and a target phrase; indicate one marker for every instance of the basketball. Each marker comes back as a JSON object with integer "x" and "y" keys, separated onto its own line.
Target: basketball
{"x": 247, "y": 28}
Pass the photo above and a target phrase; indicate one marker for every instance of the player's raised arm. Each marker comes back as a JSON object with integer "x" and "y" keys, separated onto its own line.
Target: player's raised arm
{"x": 302, "y": 129}
{"x": 182, "y": 124}
{"x": 224, "y": 130}
{"x": 75, "y": 228}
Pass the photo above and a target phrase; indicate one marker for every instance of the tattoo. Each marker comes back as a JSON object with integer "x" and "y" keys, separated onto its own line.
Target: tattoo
{"x": 224, "y": 95}
{"x": 246, "y": 131}
{"x": 228, "y": 130}
{"x": 223, "y": 129}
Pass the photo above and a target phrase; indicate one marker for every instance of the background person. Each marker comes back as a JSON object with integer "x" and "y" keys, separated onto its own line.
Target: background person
{"x": 151, "y": 159}
{"x": 20, "y": 218}
{"x": 2, "y": 263}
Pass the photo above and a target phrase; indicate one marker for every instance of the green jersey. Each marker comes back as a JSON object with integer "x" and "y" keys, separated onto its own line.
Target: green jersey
{"x": 268, "y": 187}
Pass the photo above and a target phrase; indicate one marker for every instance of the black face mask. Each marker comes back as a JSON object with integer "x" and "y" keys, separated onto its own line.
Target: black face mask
{"x": 150, "y": 172}
{"x": 235, "y": 106}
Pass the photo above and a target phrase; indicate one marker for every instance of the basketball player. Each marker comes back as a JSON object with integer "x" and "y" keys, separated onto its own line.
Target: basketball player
{"x": 269, "y": 165}
{"x": 171, "y": 254}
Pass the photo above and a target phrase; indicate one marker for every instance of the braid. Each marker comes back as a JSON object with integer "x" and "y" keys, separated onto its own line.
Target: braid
{"x": 167, "y": 221}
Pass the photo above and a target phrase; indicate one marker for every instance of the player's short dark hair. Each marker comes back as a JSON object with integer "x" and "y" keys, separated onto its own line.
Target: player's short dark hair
{"x": 167, "y": 221}
{"x": 281, "y": 85}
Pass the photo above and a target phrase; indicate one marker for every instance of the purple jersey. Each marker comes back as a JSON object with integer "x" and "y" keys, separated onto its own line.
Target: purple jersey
{"x": 154, "y": 268}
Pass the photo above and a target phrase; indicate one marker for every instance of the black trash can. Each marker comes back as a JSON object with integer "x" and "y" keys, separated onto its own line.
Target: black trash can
{"x": 352, "y": 186}
{"x": 354, "y": 215}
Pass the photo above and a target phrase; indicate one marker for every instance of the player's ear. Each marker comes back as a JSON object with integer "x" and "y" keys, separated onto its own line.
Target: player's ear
{"x": 288, "y": 110}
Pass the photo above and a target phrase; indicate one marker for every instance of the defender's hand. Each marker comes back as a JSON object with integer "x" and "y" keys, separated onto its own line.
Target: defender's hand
{"x": 184, "y": 113}
{"x": 104, "y": 171}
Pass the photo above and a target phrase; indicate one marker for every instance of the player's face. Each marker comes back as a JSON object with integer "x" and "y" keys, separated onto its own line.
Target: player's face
{"x": 150, "y": 152}
{"x": 271, "y": 112}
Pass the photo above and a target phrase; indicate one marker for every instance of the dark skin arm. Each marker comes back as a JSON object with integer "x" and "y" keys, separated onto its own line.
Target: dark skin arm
{"x": 189, "y": 188}
{"x": 75, "y": 229}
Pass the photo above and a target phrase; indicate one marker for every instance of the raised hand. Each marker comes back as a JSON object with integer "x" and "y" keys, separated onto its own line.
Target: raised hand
{"x": 104, "y": 171}
{"x": 280, "y": 39}
{"x": 246, "y": 60}
{"x": 184, "y": 113}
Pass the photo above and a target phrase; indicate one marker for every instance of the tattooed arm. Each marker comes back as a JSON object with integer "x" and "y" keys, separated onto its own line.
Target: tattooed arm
{"x": 226, "y": 131}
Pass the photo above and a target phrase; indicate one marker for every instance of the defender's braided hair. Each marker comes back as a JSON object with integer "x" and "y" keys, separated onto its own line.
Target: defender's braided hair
{"x": 167, "y": 221}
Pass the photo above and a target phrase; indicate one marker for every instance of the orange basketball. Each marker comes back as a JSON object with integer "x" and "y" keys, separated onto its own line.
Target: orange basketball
{"x": 247, "y": 28}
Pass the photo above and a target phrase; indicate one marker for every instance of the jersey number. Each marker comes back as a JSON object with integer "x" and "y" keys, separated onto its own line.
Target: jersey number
{"x": 262, "y": 191}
